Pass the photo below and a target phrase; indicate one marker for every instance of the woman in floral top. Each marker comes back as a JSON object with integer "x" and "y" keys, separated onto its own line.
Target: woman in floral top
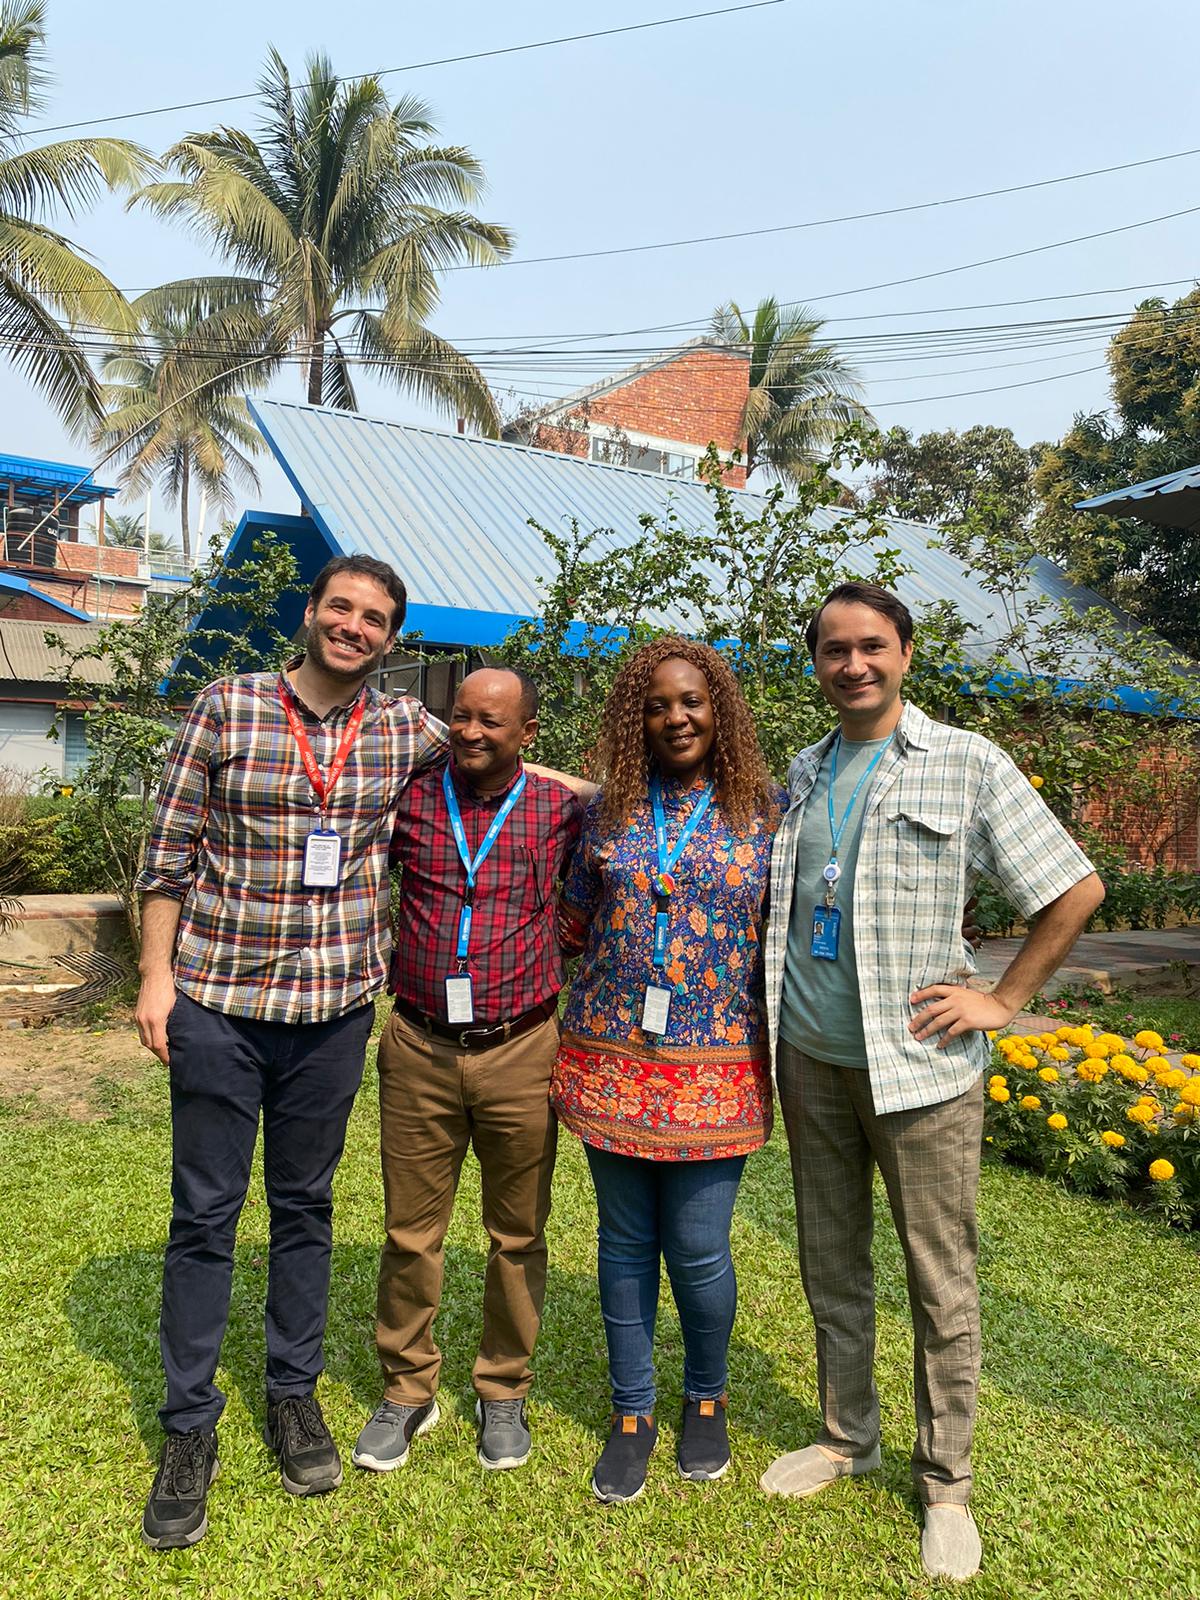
{"x": 663, "y": 1069}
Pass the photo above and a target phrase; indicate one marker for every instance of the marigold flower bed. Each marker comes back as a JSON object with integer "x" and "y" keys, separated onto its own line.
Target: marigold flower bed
{"x": 1106, "y": 1115}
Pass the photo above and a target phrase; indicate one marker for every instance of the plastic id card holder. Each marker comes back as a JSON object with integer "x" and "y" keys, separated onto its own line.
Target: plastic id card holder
{"x": 460, "y": 1001}
{"x": 826, "y": 930}
{"x": 656, "y": 1008}
{"x": 322, "y": 860}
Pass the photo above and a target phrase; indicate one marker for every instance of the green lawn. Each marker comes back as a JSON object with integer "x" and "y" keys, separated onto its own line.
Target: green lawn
{"x": 1086, "y": 1450}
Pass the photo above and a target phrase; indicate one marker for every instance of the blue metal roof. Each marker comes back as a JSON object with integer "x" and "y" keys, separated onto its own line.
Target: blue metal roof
{"x": 10, "y": 583}
{"x": 48, "y": 479}
{"x": 451, "y": 513}
{"x": 1184, "y": 485}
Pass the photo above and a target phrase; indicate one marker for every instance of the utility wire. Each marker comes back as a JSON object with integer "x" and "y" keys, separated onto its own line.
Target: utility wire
{"x": 412, "y": 66}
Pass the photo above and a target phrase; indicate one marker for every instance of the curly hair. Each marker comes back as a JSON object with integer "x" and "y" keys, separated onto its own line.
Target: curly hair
{"x": 621, "y": 761}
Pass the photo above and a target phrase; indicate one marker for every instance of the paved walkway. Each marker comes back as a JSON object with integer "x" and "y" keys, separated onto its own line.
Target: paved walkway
{"x": 1101, "y": 960}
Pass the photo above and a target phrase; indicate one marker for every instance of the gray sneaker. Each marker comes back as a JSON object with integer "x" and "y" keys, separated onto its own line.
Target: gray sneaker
{"x": 503, "y": 1434}
{"x": 383, "y": 1444}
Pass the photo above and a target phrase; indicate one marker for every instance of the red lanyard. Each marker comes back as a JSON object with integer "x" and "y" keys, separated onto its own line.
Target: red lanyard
{"x": 323, "y": 786}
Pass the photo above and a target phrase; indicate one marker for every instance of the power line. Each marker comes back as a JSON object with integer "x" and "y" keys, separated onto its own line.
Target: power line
{"x": 413, "y": 66}
{"x": 828, "y": 222}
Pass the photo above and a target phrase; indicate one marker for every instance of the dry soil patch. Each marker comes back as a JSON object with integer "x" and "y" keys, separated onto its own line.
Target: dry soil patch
{"x": 63, "y": 1070}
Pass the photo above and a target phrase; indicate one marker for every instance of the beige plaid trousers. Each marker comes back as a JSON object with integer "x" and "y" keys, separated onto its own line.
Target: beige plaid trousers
{"x": 929, "y": 1159}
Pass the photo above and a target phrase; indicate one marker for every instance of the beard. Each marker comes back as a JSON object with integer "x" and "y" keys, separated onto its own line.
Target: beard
{"x": 363, "y": 665}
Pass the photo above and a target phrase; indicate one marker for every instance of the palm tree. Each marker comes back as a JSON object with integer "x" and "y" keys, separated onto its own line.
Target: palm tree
{"x": 802, "y": 392}
{"x": 334, "y": 216}
{"x": 173, "y": 413}
{"x": 127, "y": 530}
{"x": 42, "y": 275}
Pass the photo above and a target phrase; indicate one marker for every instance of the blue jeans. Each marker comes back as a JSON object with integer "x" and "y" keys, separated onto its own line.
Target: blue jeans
{"x": 224, "y": 1071}
{"x": 679, "y": 1211}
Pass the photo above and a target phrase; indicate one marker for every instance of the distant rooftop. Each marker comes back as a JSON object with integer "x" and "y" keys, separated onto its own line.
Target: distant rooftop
{"x": 47, "y": 480}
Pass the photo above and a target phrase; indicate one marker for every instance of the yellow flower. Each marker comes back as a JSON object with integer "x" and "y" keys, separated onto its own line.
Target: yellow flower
{"x": 1135, "y": 1073}
{"x": 1122, "y": 1063}
{"x": 1190, "y": 1093}
{"x": 1056, "y": 1121}
{"x": 1088, "y": 1072}
{"x": 1094, "y": 1050}
{"x": 993, "y": 1081}
{"x": 1114, "y": 1141}
{"x": 1175, "y": 1078}
{"x": 1059, "y": 1053}
{"x": 1190, "y": 1062}
{"x": 1114, "y": 1041}
{"x": 1157, "y": 1064}
{"x": 1049, "y": 1074}
{"x": 1183, "y": 1113}
{"x": 1036, "y": 780}
{"x": 1161, "y": 1171}
{"x": 1140, "y": 1114}
{"x": 1080, "y": 1037}
{"x": 1148, "y": 1039}
{"x": 999, "y": 1093}
{"x": 991, "y": 1033}
{"x": 1028, "y": 1061}
{"x": 1064, "y": 1033}
{"x": 1150, "y": 1100}
{"x": 1030, "y": 1102}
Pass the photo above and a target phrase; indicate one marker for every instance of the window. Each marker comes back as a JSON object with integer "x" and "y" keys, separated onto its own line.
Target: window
{"x": 623, "y": 452}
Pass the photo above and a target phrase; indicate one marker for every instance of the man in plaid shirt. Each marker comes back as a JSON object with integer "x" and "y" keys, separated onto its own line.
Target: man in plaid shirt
{"x": 468, "y": 1063}
{"x": 264, "y": 928}
{"x": 880, "y": 1049}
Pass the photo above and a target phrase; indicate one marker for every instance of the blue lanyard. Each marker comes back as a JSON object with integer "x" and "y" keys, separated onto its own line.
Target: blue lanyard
{"x": 835, "y": 833}
{"x": 464, "y": 850}
{"x": 663, "y": 885}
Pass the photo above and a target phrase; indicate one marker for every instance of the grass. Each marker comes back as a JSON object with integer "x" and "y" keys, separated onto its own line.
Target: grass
{"x": 1088, "y": 1433}
{"x": 1126, "y": 1013}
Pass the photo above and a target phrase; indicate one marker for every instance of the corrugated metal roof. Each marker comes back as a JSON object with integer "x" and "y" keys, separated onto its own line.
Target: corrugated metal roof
{"x": 50, "y": 478}
{"x": 25, "y": 657}
{"x": 1171, "y": 500}
{"x": 451, "y": 513}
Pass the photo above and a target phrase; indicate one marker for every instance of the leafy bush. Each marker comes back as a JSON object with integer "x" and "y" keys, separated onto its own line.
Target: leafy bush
{"x": 1103, "y": 1115}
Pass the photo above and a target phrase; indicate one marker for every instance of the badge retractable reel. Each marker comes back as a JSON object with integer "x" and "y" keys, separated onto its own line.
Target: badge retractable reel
{"x": 827, "y": 917}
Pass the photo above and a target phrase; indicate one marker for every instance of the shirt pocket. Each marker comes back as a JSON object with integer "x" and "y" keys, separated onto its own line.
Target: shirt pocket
{"x": 927, "y": 843}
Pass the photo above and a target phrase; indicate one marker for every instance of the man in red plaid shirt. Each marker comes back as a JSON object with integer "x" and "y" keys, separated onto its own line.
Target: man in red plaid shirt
{"x": 465, "y": 1060}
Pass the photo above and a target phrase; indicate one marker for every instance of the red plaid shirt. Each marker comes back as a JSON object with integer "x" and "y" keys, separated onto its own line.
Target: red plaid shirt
{"x": 515, "y": 962}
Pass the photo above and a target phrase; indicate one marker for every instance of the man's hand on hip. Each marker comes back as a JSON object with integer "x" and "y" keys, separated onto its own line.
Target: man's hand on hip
{"x": 951, "y": 1010}
{"x": 156, "y": 998}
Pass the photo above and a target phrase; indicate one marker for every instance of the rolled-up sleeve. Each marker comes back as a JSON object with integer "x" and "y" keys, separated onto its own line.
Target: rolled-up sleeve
{"x": 182, "y": 809}
{"x": 1017, "y": 842}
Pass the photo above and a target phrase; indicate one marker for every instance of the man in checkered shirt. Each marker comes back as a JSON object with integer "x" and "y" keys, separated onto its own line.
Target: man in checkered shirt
{"x": 880, "y": 1048}
{"x": 264, "y": 944}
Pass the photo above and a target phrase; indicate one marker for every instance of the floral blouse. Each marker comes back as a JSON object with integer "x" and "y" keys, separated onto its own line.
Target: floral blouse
{"x": 701, "y": 1090}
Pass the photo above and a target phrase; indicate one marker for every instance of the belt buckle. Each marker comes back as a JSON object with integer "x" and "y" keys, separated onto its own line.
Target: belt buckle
{"x": 464, "y": 1038}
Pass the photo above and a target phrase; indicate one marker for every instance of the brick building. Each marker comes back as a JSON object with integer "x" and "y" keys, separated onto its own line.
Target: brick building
{"x": 658, "y": 416}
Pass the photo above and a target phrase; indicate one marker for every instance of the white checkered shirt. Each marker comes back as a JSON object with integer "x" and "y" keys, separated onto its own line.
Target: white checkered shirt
{"x": 945, "y": 809}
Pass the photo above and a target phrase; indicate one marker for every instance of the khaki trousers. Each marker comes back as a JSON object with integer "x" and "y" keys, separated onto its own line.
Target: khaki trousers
{"x": 434, "y": 1100}
{"x": 929, "y": 1159}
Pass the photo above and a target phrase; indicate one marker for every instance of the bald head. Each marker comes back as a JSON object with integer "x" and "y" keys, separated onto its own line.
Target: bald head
{"x": 494, "y": 718}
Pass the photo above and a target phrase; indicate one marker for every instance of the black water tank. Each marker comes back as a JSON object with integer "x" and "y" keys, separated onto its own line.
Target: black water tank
{"x": 20, "y": 549}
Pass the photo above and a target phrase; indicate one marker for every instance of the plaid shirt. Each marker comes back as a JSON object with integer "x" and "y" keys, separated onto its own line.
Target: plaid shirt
{"x": 234, "y": 810}
{"x": 945, "y": 809}
{"x": 515, "y": 962}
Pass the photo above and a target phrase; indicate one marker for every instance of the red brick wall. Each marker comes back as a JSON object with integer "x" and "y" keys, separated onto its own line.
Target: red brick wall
{"x": 28, "y": 608}
{"x": 695, "y": 399}
{"x": 110, "y": 560}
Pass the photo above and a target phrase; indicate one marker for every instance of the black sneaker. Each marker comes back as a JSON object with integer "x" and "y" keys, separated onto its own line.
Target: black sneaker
{"x": 308, "y": 1458}
{"x": 703, "y": 1440}
{"x": 175, "y": 1515}
{"x": 503, "y": 1434}
{"x": 621, "y": 1470}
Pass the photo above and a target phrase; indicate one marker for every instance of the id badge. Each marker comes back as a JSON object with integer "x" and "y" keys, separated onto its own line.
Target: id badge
{"x": 460, "y": 1002}
{"x": 322, "y": 860}
{"x": 826, "y": 930}
{"x": 656, "y": 1007}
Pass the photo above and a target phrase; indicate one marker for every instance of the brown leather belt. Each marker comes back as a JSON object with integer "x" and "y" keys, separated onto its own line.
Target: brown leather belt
{"x": 480, "y": 1036}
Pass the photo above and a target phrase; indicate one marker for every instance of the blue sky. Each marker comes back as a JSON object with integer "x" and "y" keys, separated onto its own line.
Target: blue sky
{"x": 768, "y": 117}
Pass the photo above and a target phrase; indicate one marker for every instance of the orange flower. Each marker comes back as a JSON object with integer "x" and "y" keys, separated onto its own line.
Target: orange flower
{"x": 698, "y": 921}
{"x": 674, "y": 971}
{"x": 618, "y": 916}
{"x": 733, "y": 877}
{"x": 735, "y": 1033}
{"x": 641, "y": 881}
{"x": 744, "y": 855}
{"x": 711, "y": 978}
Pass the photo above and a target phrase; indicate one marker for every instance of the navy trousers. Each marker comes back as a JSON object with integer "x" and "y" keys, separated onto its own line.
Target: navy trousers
{"x": 225, "y": 1071}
